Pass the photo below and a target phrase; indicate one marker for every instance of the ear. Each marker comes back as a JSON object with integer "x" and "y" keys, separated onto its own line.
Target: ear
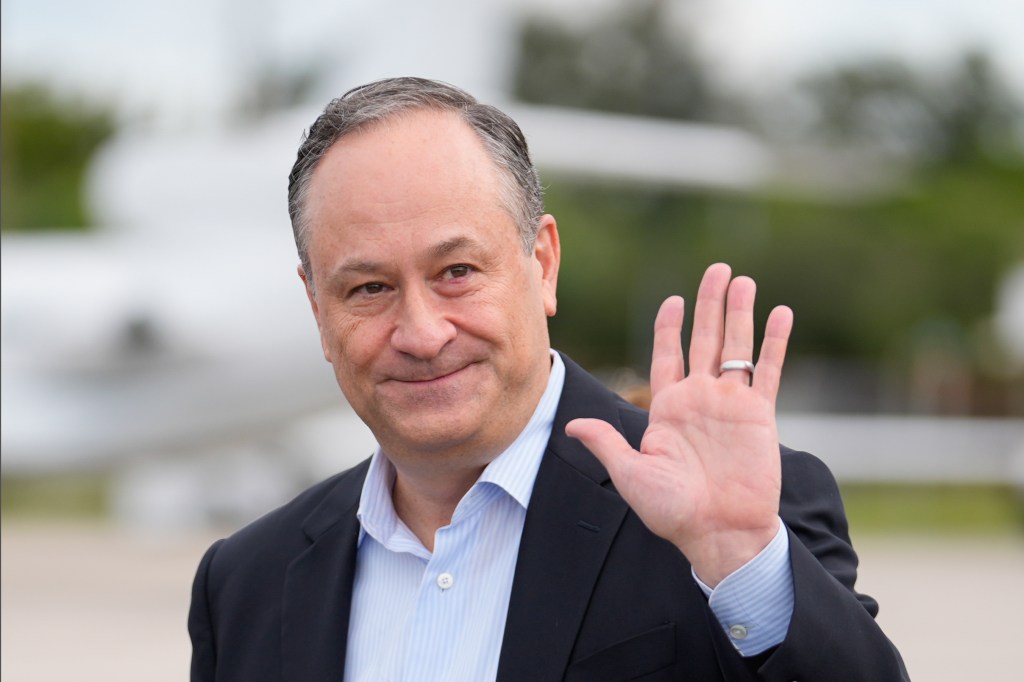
{"x": 307, "y": 282}
{"x": 547, "y": 254}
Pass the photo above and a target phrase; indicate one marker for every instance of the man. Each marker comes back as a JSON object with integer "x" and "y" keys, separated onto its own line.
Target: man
{"x": 519, "y": 521}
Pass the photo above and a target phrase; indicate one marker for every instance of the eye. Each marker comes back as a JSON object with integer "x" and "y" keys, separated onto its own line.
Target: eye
{"x": 370, "y": 288}
{"x": 457, "y": 271}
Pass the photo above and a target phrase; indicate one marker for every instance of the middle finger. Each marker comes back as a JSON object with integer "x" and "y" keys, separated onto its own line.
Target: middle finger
{"x": 709, "y": 320}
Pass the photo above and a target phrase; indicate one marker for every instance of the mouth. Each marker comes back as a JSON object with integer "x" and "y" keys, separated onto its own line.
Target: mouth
{"x": 432, "y": 378}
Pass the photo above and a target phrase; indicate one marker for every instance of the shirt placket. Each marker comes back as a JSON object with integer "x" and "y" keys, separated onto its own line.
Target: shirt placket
{"x": 442, "y": 603}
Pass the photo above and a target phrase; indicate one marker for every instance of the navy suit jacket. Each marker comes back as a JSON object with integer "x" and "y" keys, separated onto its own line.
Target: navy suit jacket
{"x": 596, "y": 596}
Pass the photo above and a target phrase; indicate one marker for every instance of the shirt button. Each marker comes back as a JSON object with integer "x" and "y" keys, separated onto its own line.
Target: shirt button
{"x": 738, "y": 632}
{"x": 445, "y": 580}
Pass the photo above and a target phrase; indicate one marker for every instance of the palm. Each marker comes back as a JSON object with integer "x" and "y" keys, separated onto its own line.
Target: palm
{"x": 707, "y": 476}
{"x": 705, "y": 460}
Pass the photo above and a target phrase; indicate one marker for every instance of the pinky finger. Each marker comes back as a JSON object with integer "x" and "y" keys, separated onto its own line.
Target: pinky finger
{"x": 773, "y": 352}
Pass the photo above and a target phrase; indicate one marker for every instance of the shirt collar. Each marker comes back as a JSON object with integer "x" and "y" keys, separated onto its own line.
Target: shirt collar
{"x": 514, "y": 470}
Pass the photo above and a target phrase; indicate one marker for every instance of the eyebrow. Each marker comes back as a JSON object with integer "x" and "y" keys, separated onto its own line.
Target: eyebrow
{"x": 449, "y": 246}
{"x": 355, "y": 265}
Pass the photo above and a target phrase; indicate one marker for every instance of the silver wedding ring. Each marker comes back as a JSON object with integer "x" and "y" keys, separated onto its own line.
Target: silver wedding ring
{"x": 728, "y": 365}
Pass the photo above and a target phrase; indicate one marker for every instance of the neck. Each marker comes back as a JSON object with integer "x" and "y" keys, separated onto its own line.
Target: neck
{"x": 429, "y": 486}
{"x": 425, "y": 504}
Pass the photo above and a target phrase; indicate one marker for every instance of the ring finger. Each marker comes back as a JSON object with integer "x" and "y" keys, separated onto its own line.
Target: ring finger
{"x": 738, "y": 341}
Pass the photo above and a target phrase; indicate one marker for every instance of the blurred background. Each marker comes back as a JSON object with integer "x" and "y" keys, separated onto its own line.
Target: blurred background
{"x": 162, "y": 382}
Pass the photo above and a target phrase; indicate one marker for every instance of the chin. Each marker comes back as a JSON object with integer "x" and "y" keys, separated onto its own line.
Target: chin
{"x": 433, "y": 431}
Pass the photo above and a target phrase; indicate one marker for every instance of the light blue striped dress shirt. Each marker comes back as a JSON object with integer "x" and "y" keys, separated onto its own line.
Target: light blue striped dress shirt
{"x": 421, "y": 615}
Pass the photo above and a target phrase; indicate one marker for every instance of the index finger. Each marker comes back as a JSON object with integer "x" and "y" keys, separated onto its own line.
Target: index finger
{"x": 667, "y": 366}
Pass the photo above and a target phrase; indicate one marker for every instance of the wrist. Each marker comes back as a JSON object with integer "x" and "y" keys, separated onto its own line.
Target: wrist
{"x": 717, "y": 555}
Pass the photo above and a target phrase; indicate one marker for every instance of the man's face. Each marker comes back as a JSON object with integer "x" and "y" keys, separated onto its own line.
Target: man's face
{"x": 429, "y": 310}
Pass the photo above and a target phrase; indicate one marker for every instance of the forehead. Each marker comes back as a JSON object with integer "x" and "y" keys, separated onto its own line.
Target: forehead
{"x": 413, "y": 163}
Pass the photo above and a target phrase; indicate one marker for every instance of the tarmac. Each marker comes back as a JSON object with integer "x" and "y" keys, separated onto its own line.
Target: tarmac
{"x": 90, "y": 602}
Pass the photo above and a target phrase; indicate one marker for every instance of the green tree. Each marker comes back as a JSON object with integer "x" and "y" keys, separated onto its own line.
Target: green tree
{"x": 876, "y": 283}
{"x": 46, "y": 143}
{"x": 965, "y": 114}
{"x": 631, "y": 60}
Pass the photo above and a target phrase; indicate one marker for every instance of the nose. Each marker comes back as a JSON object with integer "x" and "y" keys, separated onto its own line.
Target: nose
{"x": 422, "y": 328}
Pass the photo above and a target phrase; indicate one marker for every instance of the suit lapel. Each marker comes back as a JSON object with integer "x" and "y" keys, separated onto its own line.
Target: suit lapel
{"x": 569, "y": 529}
{"x": 318, "y": 588}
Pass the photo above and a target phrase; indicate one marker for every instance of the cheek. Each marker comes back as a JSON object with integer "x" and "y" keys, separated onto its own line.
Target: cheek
{"x": 506, "y": 317}
{"x": 353, "y": 339}
{"x": 486, "y": 313}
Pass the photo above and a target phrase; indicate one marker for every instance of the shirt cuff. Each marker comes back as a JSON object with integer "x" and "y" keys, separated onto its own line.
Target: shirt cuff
{"x": 754, "y": 603}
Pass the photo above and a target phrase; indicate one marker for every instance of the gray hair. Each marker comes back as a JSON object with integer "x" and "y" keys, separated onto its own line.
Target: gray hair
{"x": 385, "y": 99}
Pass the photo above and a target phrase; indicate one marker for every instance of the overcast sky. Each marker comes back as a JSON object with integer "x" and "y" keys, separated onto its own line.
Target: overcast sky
{"x": 186, "y": 59}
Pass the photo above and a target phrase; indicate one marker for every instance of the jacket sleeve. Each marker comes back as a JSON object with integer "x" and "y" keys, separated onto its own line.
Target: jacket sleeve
{"x": 832, "y": 634}
{"x": 200, "y": 627}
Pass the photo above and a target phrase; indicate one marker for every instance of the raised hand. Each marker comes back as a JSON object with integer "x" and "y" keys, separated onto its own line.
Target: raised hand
{"x": 707, "y": 477}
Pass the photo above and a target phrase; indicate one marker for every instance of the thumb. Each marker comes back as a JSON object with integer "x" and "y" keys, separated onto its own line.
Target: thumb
{"x": 601, "y": 438}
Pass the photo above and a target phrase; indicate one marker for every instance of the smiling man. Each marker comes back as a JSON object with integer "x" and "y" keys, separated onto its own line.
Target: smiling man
{"x": 429, "y": 307}
{"x": 518, "y": 521}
